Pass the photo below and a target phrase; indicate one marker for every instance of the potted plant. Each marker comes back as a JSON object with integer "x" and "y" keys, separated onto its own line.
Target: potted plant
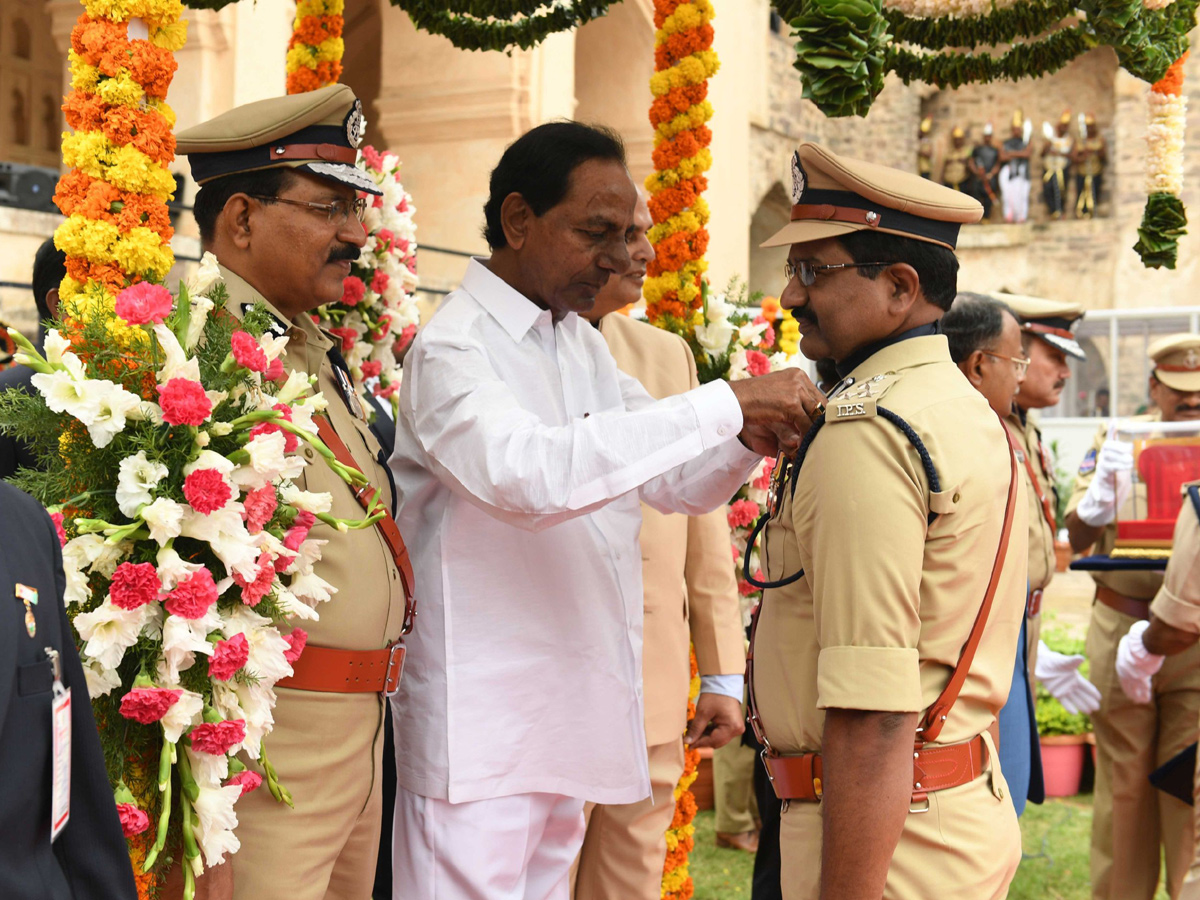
{"x": 1065, "y": 736}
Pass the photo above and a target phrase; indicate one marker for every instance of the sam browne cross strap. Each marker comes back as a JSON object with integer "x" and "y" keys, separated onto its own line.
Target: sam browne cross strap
{"x": 358, "y": 671}
{"x": 935, "y": 767}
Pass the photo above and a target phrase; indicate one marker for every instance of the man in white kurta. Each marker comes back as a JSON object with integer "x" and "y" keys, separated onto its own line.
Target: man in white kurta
{"x": 521, "y": 456}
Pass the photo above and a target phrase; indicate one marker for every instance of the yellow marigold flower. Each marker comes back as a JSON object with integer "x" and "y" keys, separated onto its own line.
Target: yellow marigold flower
{"x": 164, "y": 109}
{"x": 320, "y": 7}
{"x": 124, "y": 167}
{"x": 124, "y": 90}
{"x": 686, "y": 17}
{"x": 83, "y": 77}
{"x": 170, "y": 36}
{"x": 330, "y": 50}
{"x": 693, "y": 117}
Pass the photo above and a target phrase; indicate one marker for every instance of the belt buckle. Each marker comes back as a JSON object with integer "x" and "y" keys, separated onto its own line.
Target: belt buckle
{"x": 917, "y": 810}
{"x": 392, "y": 664}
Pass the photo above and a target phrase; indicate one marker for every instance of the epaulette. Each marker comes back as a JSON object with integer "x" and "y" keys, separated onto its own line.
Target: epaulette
{"x": 858, "y": 399}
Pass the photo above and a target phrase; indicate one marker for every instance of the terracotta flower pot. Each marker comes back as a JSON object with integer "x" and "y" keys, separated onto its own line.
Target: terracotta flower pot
{"x": 1062, "y": 763}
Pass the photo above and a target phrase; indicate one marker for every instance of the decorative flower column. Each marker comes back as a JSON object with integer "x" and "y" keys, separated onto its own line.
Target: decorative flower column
{"x": 314, "y": 57}
{"x": 117, "y": 230}
{"x": 684, "y": 61}
{"x": 1165, "y": 218}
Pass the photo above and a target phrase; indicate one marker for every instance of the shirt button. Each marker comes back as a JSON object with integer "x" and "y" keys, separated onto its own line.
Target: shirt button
{"x": 723, "y": 430}
{"x": 308, "y": 452}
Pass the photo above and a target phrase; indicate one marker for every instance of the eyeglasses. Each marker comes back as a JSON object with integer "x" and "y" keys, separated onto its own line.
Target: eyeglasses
{"x": 808, "y": 271}
{"x": 338, "y": 211}
{"x": 1020, "y": 363}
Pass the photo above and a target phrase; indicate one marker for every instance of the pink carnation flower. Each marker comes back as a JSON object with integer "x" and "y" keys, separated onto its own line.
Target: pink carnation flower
{"x": 298, "y": 533}
{"x": 742, "y": 513}
{"x": 228, "y": 656}
{"x": 763, "y": 481}
{"x": 206, "y": 490}
{"x": 142, "y": 303}
{"x": 259, "y": 507}
{"x": 297, "y": 641}
{"x": 348, "y": 337}
{"x": 133, "y": 820}
{"x": 372, "y": 157}
{"x": 385, "y": 240}
{"x": 745, "y": 588}
{"x": 406, "y": 336}
{"x": 218, "y": 737}
{"x": 246, "y": 780}
{"x": 382, "y": 327}
{"x": 384, "y": 393}
{"x": 757, "y": 363}
{"x": 148, "y": 705}
{"x": 275, "y": 371}
{"x": 193, "y": 596}
{"x": 247, "y": 353}
{"x": 290, "y": 441}
{"x": 134, "y": 585}
{"x": 353, "y": 290}
{"x": 254, "y": 591}
{"x": 57, "y": 518}
{"x": 371, "y": 368}
{"x": 184, "y": 402}
{"x": 379, "y": 281}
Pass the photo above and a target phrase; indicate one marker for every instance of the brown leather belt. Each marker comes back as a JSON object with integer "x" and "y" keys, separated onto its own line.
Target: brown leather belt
{"x": 347, "y": 671}
{"x": 1033, "y": 603}
{"x": 935, "y": 768}
{"x": 1129, "y": 606}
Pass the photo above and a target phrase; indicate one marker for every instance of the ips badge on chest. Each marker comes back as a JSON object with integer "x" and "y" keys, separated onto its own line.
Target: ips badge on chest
{"x": 348, "y": 393}
{"x": 843, "y": 410}
{"x": 28, "y": 596}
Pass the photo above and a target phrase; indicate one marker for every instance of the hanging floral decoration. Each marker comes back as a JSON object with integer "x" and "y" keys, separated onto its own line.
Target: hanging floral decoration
{"x": 500, "y": 24}
{"x": 677, "y": 882}
{"x": 684, "y": 61}
{"x": 117, "y": 231}
{"x": 377, "y": 317}
{"x": 315, "y": 49}
{"x": 1164, "y": 219}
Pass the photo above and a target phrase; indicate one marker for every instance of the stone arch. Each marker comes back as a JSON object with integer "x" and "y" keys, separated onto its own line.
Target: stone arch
{"x": 22, "y": 44}
{"x": 614, "y": 59}
{"x": 766, "y": 264}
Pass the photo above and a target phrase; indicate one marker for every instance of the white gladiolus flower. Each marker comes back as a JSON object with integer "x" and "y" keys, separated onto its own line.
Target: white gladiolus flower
{"x": 251, "y": 703}
{"x": 214, "y": 807}
{"x": 751, "y": 333}
{"x": 226, "y": 533}
{"x": 293, "y": 607}
{"x": 137, "y": 476}
{"x": 737, "y": 365}
{"x": 177, "y": 363}
{"x": 268, "y": 462}
{"x": 99, "y": 679}
{"x": 714, "y": 337}
{"x": 165, "y": 518}
{"x": 172, "y": 568}
{"x": 272, "y": 346}
{"x": 267, "y": 647}
{"x": 77, "y": 588}
{"x": 183, "y": 714}
{"x": 296, "y": 385}
{"x": 200, "y": 308}
{"x": 112, "y": 404}
{"x": 183, "y": 638}
{"x": 310, "y": 501}
{"x": 65, "y": 393}
{"x": 54, "y": 346}
{"x": 207, "y": 274}
{"x": 312, "y": 588}
{"x": 207, "y": 459}
{"x": 110, "y": 631}
{"x": 209, "y": 769}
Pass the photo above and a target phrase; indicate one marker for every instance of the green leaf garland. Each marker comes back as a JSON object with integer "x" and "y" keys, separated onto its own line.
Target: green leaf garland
{"x": 1163, "y": 222}
{"x": 840, "y": 53}
{"x": 1004, "y": 26}
{"x": 499, "y": 24}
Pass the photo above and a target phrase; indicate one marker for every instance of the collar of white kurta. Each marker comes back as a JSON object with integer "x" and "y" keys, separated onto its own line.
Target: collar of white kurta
{"x": 243, "y": 296}
{"x": 515, "y": 312}
{"x": 918, "y": 351}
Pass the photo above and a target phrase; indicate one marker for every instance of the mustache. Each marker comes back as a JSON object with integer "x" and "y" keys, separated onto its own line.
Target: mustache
{"x": 343, "y": 252}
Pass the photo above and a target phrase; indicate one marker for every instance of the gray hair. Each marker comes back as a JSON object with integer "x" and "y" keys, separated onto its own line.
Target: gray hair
{"x": 975, "y": 322}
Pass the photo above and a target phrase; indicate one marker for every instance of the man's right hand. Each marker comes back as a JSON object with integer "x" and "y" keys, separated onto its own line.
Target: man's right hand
{"x": 785, "y": 402}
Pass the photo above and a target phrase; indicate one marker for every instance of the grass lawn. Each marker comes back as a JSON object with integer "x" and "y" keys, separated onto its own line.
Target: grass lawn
{"x": 1055, "y": 866}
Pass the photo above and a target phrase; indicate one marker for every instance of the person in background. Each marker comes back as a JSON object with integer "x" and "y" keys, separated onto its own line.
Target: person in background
{"x": 1134, "y": 825}
{"x": 1090, "y": 158}
{"x": 1102, "y": 403}
{"x": 49, "y": 269}
{"x": 690, "y": 596}
{"x": 87, "y": 859}
{"x": 925, "y": 148}
{"x": 955, "y": 173}
{"x": 1015, "y": 153}
{"x": 984, "y": 166}
{"x": 1057, "y": 153}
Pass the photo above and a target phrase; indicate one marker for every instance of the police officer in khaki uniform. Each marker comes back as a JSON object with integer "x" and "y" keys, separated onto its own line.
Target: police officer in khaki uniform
{"x": 871, "y": 687}
{"x": 278, "y": 206}
{"x": 1174, "y": 627}
{"x": 1131, "y": 820}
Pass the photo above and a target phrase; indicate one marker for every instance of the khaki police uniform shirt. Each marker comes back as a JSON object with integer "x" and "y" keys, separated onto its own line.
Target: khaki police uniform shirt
{"x": 1139, "y": 585}
{"x": 1178, "y": 600}
{"x": 887, "y": 602}
{"x": 1041, "y": 530}
{"x": 367, "y": 612}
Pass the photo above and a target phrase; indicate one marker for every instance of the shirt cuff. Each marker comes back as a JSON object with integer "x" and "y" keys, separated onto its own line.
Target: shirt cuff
{"x": 1175, "y": 611}
{"x": 726, "y": 685}
{"x": 879, "y": 679}
{"x": 718, "y": 411}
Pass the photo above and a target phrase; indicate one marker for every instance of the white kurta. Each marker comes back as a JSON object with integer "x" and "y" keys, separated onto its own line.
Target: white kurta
{"x": 521, "y": 455}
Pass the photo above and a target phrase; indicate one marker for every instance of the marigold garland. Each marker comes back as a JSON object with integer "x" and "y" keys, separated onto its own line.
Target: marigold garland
{"x": 677, "y": 883}
{"x": 314, "y": 57}
{"x": 684, "y": 61}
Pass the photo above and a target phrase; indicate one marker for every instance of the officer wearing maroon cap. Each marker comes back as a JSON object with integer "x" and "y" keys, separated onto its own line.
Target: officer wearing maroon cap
{"x": 874, "y": 682}
{"x": 278, "y": 205}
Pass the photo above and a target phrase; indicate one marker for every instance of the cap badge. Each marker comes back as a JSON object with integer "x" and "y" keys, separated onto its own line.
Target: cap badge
{"x": 355, "y": 124}
{"x": 1192, "y": 360}
{"x": 872, "y": 217}
{"x": 799, "y": 179}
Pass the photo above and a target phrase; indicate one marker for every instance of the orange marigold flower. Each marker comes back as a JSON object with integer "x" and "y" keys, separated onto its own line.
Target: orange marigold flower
{"x": 664, "y": 8}
{"x": 313, "y": 30}
{"x": 682, "y": 44}
{"x": 1172, "y": 82}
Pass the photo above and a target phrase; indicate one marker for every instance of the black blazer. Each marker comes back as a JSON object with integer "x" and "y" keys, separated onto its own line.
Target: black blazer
{"x": 15, "y": 454}
{"x": 90, "y": 860}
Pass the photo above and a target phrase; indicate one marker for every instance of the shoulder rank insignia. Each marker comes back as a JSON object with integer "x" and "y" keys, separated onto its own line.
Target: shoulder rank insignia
{"x": 845, "y": 408}
{"x": 1089, "y": 463}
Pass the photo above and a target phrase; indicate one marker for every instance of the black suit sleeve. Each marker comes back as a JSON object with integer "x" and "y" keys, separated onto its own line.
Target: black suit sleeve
{"x": 91, "y": 849}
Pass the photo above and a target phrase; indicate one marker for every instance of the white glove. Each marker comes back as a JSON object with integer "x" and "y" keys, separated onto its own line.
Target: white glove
{"x": 1099, "y": 505}
{"x": 1136, "y": 665}
{"x": 1060, "y": 674}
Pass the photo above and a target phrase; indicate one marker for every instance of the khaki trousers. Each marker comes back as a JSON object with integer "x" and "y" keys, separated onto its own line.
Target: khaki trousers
{"x": 967, "y": 846}
{"x": 327, "y": 750}
{"x": 733, "y": 788}
{"x": 625, "y": 846}
{"x": 1133, "y": 823}
{"x": 1191, "y": 884}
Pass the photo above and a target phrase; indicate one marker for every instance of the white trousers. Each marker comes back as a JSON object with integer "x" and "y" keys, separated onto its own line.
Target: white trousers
{"x": 507, "y": 848}
{"x": 1014, "y": 191}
